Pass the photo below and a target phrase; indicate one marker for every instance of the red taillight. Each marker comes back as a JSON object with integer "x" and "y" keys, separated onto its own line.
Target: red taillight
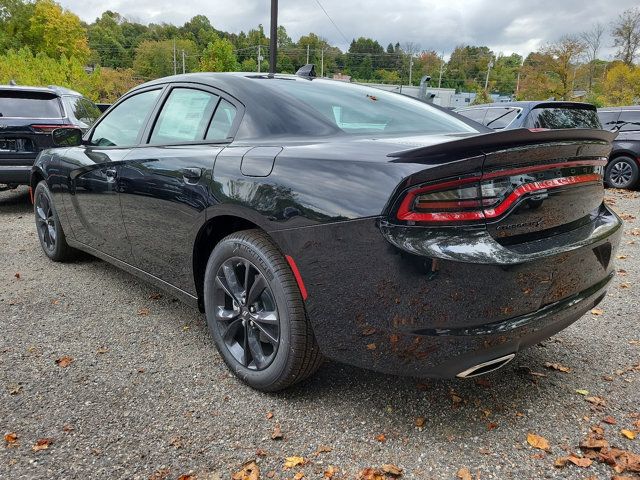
{"x": 49, "y": 128}
{"x": 489, "y": 196}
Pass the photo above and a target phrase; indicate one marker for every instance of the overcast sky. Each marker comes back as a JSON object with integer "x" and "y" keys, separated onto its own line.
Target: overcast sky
{"x": 506, "y": 26}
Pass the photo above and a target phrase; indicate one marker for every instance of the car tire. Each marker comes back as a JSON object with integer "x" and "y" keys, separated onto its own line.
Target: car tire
{"x": 256, "y": 315}
{"x": 50, "y": 233}
{"x": 622, "y": 172}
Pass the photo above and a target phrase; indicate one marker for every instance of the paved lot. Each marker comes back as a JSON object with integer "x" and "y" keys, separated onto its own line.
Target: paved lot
{"x": 146, "y": 394}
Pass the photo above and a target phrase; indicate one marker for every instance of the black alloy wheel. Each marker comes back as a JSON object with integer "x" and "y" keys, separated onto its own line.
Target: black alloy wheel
{"x": 247, "y": 314}
{"x": 256, "y": 314}
{"x": 50, "y": 233}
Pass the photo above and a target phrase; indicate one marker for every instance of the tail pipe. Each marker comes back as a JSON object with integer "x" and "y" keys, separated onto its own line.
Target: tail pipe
{"x": 486, "y": 367}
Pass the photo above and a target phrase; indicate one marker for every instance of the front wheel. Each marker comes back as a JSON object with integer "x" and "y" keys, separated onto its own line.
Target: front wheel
{"x": 256, "y": 314}
{"x": 622, "y": 172}
{"x": 50, "y": 233}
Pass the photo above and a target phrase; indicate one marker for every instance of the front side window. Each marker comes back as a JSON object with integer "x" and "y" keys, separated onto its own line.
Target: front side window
{"x": 358, "y": 109}
{"x": 184, "y": 116}
{"x": 499, "y": 118}
{"x": 629, "y": 120}
{"x": 122, "y": 126}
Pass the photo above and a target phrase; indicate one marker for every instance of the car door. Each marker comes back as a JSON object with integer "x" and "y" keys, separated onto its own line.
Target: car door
{"x": 165, "y": 183}
{"x": 93, "y": 208}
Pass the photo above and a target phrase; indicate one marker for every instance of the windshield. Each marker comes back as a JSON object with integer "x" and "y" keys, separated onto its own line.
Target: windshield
{"x": 358, "y": 109}
{"x": 563, "y": 117}
{"x": 19, "y": 104}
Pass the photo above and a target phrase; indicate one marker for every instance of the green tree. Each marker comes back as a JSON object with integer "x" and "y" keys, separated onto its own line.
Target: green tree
{"x": 155, "y": 58}
{"x": 57, "y": 32}
{"x": 482, "y": 97}
{"x": 219, "y": 57}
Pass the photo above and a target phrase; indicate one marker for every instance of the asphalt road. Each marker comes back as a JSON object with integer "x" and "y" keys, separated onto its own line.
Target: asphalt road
{"x": 146, "y": 394}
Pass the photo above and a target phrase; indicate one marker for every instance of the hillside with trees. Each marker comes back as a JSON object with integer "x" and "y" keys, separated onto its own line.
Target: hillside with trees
{"x": 42, "y": 43}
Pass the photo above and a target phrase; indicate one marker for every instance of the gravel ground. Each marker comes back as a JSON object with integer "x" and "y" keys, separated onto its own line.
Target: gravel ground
{"x": 146, "y": 394}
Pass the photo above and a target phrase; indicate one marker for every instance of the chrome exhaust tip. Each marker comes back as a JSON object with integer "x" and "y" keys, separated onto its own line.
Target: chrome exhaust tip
{"x": 486, "y": 367}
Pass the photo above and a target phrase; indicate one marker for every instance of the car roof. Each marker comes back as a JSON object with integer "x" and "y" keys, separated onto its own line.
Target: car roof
{"x": 530, "y": 104}
{"x": 53, "y": 89}
{"x": 619, "y": 109}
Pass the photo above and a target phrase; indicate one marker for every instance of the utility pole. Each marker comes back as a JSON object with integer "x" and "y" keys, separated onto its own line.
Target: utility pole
{"x": 273, "y": 45}
{"x": 441, "y": 70}
{"x": 486, "y": 81}
{"x": 259, "y": 58}
{"x": 307, "y": 55}
{"x": 322, "y": 62}
{"x": 175, "y": 66}
{"x": 183, "y": 64}
{"x": 410, "y": 67}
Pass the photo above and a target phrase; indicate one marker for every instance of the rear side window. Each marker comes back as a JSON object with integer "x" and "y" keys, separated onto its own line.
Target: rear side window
{"x": 220, "y": 128}
{"x": 499, "y": 118}
{"x": 184, "y": 116}
{"x": 18, "y": 104}
{"x": 475, "y": 114}
{"x": 629, "y": 120}
{"x": 563, "y": 117}
{"x": 123, "y": 124}
{"x": 82, "y": 109}
{"x": 609, "y": 120}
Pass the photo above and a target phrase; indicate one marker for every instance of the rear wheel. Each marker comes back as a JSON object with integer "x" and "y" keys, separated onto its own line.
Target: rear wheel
{"x": 256, "y": 315}
{"x": 50, "y": 233}
{"x": 622, "y": 172}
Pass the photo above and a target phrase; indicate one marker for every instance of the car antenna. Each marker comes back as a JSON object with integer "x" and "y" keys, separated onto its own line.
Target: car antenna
{"x": 309, "y": 71}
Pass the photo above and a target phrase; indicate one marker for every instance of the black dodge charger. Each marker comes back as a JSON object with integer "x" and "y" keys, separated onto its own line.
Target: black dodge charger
{"x": 311, "y": 219}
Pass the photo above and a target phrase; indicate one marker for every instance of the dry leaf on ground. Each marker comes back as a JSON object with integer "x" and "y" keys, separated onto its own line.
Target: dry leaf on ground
{"x": 11, "y": 438}
{"x": 536, "y": 441}
{"x": 291, "y": 462}
{"x": 277, "y": 433}
{"x": 464, "y": 474}
{"x": 630, "y": 434}
{"x": 249, "y": 471}
{"x": 557, "y": 366}
{"x": 392, "y": 469}
{"x": 64, "y": 361}
{"x": 42, "y": 444}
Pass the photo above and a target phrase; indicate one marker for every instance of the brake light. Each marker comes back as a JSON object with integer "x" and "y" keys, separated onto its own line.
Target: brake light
{"x": 474, "y": 199}
{"x": 49, "y": 128}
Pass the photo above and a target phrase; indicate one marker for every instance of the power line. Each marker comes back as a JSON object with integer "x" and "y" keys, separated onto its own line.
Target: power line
{"x": 334, "y": 23}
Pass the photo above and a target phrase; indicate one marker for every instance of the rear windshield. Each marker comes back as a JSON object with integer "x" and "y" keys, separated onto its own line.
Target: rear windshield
{"x": 29, "y": 105}
{"x": 563, "y": 117}
{"x": 358, "y": 109}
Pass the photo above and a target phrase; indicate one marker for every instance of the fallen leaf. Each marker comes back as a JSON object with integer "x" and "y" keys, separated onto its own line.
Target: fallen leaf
{"x": 269, "y": 415}
{"x": 15, "y": 389}
{"x": 610, "y": 420}
{"x": 391, "y": 469}
{"x": 557, "y": 366}
{"x": 161, "y": 474}
{"x": 298, "y": 476}
{"x": 323, "y": 449}
{"x": 597, "y": 311}
{"x": 580, "y": 461}
{"x": 492, "y": 426}
{"x": 598, "y": 401}
{"x": 371, "y": 346}
{"x": 249, "y": 471}
{"x": 381, "y": 438}
{"x": 420, "y": 421}
{"x": 621, "y": 257}
{"x": 291, "y": 462}
{"x": 464, "y": 474}
{"x": 143, "y": 312}
{"x": 536, "y": 441}
{"x": 560, "y": 462}
{"x": 370, "y": 474}
{"x": 102, "y": 350}
{"x": 155, "y": 296}
{"x": 368, "y": 331}
{"x": 42, "y": 444}
{"x": 17, "y": 275}
{"x": 187, "y": 476}
{"x": 330, "y": 471}
{"x": 261, "y": 453}
{"x": 64, "y": 361}
{"x": 277, "y": 433}
{"x": 582, "y": 392}
{"x": 11, "y": 438}
{"x": 630, "y": 434}
{"x": 68, "y": 428}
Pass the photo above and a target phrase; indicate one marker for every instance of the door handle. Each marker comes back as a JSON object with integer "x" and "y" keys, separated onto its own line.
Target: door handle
{"x": 192, "y": 174}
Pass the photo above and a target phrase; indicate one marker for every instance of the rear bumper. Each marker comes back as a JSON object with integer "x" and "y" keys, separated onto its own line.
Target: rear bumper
{"x": 435, "y": 309}
{"x": 15, "y": 174}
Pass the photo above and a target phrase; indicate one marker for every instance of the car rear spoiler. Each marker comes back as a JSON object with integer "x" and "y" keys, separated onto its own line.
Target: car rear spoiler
{"x": 469, "y": 145}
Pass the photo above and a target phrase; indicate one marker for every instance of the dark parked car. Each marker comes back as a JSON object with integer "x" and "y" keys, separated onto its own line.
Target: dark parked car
{"x": 623, "y": 170}
{"x": 549, "y": 114}
{"x": 28, "y": 115}
{"x": 311, "y": 218}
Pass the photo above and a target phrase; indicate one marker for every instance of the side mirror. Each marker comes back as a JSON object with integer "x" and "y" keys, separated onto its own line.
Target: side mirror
{"x": 66, "y": 137}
